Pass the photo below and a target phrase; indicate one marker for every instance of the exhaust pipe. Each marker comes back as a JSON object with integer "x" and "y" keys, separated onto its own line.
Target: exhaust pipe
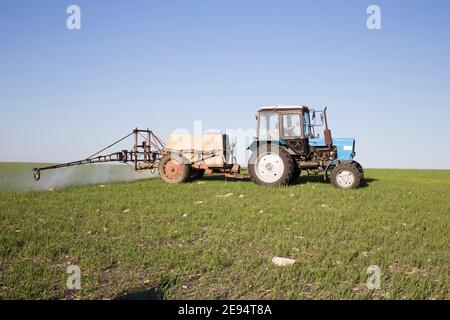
{"x": 327, "y": 132}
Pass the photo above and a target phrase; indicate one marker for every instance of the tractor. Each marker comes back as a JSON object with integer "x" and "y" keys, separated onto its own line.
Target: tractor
{"x": 286, "y": 144}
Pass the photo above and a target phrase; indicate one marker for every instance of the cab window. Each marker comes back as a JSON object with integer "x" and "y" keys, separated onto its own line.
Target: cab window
{"x": 291, "y": 125}
{"x": 268, "y": 126}
{"x": 307, "y": 124}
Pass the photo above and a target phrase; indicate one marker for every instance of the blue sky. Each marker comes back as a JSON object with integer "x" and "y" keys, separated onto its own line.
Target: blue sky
{"x": 164, "y": 64}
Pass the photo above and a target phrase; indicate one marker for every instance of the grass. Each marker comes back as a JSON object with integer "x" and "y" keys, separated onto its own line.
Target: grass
{"x": 147, "y": 239}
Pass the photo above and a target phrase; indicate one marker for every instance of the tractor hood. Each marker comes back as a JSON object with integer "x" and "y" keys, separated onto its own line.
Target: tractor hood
{"x": 345, "y": 146}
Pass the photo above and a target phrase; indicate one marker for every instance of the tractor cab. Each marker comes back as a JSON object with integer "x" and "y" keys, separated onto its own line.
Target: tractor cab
{"x": 287, "y": 143}
{"x": 289, "y": 125}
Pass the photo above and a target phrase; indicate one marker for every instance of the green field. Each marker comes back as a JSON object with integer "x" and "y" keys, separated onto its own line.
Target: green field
{"x": 216, "y": 239}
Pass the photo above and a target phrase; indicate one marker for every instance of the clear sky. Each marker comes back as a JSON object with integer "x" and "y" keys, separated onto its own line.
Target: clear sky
{"x": 164, "y": 64}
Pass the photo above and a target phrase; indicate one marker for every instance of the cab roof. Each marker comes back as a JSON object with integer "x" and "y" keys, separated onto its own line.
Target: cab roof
{"x": 280, "y": 107}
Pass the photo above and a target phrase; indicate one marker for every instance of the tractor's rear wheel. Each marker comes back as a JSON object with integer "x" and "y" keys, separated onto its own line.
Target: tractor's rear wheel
{"x": 346, "y": 176}
{"x": 271, "y": 165}
{"x": 295, "y": 174}
{"x": 174, "y": 169}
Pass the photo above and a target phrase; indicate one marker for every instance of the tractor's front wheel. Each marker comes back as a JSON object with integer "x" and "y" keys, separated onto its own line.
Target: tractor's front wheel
{"x": 174, "y": 169}
{"x": 271, "y": 165}
{"x": 346, "y": 176}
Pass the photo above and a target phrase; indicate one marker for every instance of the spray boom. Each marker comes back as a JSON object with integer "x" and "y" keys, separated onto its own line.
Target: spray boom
{"x": 145, "y": 154}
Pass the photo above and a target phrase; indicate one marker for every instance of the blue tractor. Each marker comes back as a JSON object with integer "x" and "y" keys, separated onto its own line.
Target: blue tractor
{"x": 286, "y": 144}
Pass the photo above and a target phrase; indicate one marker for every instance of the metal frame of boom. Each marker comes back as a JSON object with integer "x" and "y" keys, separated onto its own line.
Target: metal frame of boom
{"x": 145, "y": 153}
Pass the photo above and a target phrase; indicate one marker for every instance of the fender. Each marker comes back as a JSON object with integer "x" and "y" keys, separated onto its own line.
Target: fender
{"x": 332, "y": 163}
{"x": 257, "y": 143}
